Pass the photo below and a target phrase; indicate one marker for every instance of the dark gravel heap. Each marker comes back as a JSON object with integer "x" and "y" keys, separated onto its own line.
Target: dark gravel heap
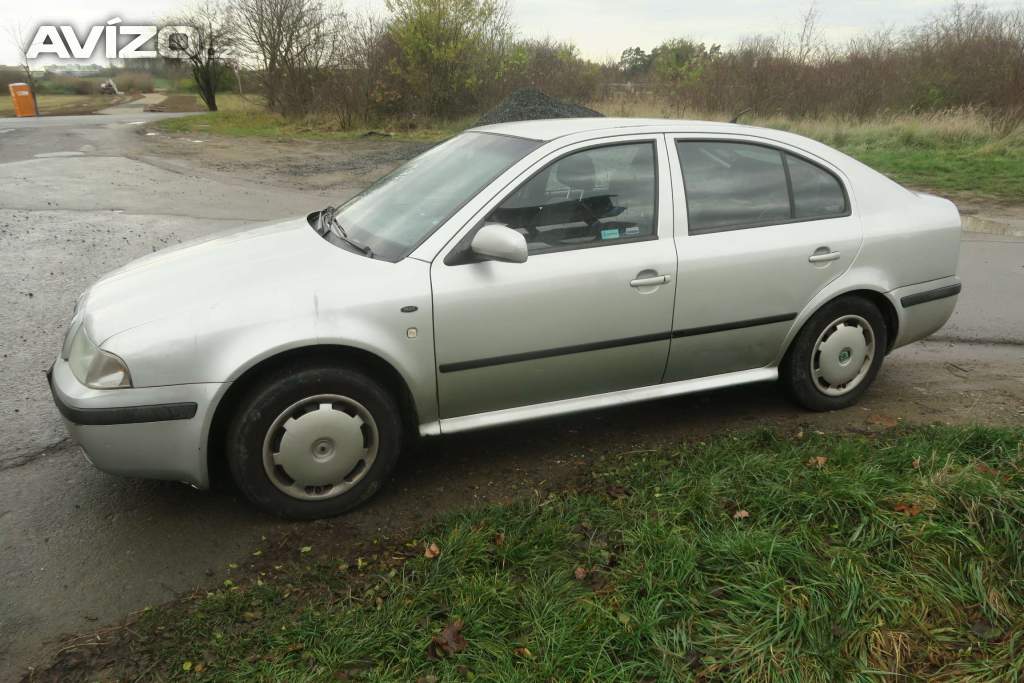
{"x": 529, "y": 104}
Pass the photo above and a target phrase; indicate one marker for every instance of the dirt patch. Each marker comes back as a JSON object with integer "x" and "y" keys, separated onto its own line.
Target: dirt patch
{"x": 178, "y": 103}
{"x": 344, "y": 165}
{"x": 529, "y": 104}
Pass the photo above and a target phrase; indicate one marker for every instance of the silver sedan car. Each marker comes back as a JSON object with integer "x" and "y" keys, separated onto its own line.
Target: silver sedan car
{"x": 516, "y": 271}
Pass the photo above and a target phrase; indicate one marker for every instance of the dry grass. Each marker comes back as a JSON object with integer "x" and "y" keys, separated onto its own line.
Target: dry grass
{"x": 960, "y": 152}
{"x": 953, "y": 125}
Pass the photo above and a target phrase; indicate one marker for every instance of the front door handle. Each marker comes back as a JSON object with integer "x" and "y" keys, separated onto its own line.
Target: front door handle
{"x": 823, "y": 255}
{"x": 652, "y": 281}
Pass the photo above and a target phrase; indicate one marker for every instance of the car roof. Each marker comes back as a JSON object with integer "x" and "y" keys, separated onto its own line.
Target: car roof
{"x": 550, "y": 129}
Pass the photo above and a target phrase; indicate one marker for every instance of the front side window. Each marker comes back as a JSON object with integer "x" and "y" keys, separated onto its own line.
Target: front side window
{"x": 595, "y": 197}
{"x": 734, "y": 185}
{"x": 402, "y": 209}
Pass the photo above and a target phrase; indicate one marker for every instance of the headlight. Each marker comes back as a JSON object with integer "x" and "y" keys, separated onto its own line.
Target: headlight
{"x": 93, "y": 366}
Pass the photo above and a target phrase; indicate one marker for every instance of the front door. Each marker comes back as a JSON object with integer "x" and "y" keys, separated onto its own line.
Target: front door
{"x": 761, "y": 231}
{"x": 589, "y": 311}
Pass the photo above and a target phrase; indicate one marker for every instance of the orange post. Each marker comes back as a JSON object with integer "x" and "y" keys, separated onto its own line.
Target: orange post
{"x": 24, "y": 103}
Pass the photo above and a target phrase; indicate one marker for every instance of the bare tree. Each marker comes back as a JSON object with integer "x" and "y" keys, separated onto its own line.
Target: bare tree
{"x": 807, "y": 41}
{"x": 213, "y": 36}
{"x": 289, "y": 40}
{"x": 19, "y": 38}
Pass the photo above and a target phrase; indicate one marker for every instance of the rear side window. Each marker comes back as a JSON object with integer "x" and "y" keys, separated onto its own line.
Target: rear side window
{"x": 732, "y": 185}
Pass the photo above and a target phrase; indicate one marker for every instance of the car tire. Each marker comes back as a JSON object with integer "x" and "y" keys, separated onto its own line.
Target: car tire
{"x": 313, "y": 441}
{"x": 820, "y": 371}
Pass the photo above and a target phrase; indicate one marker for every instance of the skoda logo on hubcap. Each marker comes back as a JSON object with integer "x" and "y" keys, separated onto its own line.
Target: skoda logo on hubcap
{"x": 844, "y": 355}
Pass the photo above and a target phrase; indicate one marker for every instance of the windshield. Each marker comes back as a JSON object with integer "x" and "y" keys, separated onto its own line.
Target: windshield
{"x": 400, "y": 210}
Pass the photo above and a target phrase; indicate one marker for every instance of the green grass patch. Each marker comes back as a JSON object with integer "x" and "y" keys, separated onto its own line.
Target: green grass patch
{"x": 746, "y": 558}
{"x": 240, "y": 117}
{"x": 977, "y": 164}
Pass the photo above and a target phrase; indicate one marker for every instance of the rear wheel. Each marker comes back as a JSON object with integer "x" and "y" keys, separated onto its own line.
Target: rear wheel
{"x": 836, "y": 355}
{"x": 314, "y": 441}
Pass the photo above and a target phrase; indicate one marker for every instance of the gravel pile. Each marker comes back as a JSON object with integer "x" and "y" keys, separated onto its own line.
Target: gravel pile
{"x": 529, "y": 104}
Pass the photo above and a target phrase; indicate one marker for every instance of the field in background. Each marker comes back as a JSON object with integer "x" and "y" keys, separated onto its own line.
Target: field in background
{"x": 750, "y": 557}
{"x": 959, "y": 153}
{"x": 66, "y": 105}
{"x": 248, "y": 117}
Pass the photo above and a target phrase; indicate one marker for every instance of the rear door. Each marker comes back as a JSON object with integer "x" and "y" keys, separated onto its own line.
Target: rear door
{"x": 590, "y": 310}
{"x": 760, "y": 230}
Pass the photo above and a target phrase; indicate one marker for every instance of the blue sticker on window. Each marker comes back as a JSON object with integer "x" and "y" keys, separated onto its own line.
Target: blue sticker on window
{"x": 610, "y": 234}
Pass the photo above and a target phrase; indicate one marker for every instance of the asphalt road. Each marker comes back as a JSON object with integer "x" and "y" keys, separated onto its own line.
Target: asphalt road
{"x": 79, "y": 196}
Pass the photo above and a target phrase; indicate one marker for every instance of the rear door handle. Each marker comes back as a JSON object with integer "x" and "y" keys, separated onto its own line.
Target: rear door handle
{"x": 652, "y": 281}
{"x": 822, "y": 256}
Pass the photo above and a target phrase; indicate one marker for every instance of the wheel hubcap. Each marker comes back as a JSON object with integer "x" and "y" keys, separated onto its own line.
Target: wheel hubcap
{"x": 320, "y": 447}
{"x": 842, "y": 355}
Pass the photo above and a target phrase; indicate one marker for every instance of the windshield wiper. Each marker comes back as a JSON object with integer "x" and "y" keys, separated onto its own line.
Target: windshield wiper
{"x": 327, "y": 223}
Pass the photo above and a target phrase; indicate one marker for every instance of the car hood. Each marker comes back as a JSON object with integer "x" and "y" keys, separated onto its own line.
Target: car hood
{"x": 200, "y": 273}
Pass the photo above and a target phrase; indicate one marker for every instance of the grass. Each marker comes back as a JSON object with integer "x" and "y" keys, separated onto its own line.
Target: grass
{"x": 962, "y": 152}
{"x": 247, "y": 117}
{"x": 747, "y": 558}
{"x": 63, "y": 105}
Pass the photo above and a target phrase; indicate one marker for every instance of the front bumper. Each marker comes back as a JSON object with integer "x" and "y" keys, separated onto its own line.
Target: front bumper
{"x": 149, "y": 432}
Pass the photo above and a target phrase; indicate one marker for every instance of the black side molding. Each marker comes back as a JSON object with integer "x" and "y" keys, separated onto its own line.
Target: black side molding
{"x": 737, "y": 325}
{"x": 119, "y": 416}
{"x": 610, "y": 344}
{"x": 548, "y": 353}
{"x": 931, "y": 295}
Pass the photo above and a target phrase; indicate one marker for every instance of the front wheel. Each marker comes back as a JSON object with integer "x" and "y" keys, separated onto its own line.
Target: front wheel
{"x": 313, "y": 441}
{"x": 836, "y": 355}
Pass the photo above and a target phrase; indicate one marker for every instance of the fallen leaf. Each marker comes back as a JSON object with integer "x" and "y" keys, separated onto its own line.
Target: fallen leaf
{"x": 199, "y": 667}
{"x": 186, "y": 665}
{"x": 429, "y": 678}
{"x": 523, "y": 652}
{"x": 916, "y": 464}
{"x": 883, "y": 420}
{"x": 817, "y": 461}
{"x": 448, "y": 642}
{"x": 305, "y": 548}
{"x": 432, "y": 551}
{"x": 740, "y": 514}
{"x": 580, "y": 573}
{"x": 909, "y": 510}
{"x": 499, "y": 539}
{"x": 983, "y": 468}
{"x": 251, "y": 616}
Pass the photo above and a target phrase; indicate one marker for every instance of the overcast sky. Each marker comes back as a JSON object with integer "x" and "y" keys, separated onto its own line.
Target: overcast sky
{"x": 600, "y": 28}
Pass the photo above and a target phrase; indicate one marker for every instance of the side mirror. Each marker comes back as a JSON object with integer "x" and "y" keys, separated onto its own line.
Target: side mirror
{"x": 500, "y": 243}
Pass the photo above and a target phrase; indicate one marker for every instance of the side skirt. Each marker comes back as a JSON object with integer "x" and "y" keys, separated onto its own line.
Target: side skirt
{"x": 574, "y": 405}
